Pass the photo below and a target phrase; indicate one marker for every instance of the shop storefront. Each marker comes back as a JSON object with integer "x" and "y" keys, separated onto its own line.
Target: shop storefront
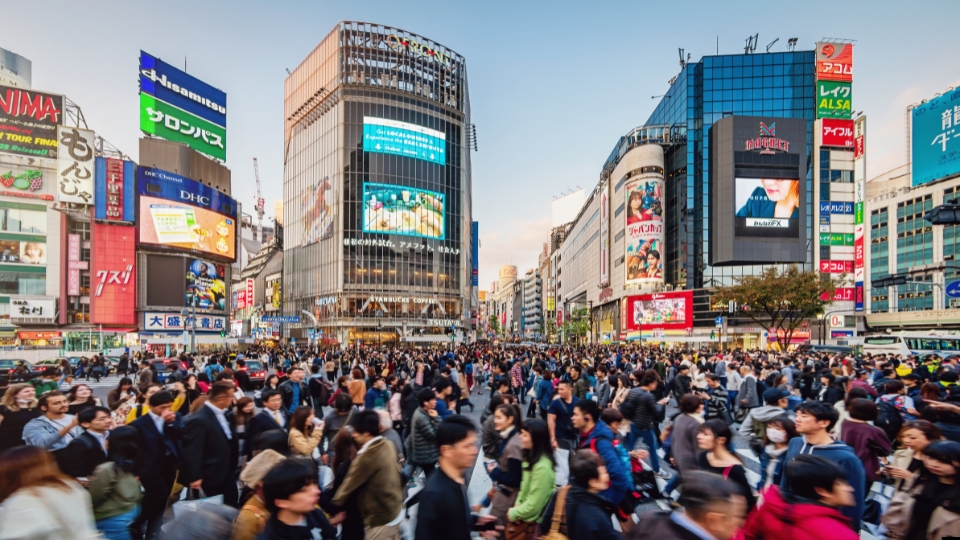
{"x": 40, "y": 340}
{"x": 94, "y": 339}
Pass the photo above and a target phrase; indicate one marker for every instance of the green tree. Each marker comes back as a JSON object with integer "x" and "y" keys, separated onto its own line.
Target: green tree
{"x": 495, "y": 325}
{"x": 578, "y": 325}
{"x": 550, "y": 329}
{"x": 779, "y": 300}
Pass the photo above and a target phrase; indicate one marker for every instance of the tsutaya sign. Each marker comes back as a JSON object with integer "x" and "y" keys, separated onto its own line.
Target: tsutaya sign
{"x": 421, "y": 49}
{"x": 768, "y": 141}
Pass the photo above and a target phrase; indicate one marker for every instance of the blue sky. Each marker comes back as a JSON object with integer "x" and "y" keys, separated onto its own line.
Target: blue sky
{"x": 553, "y": 85}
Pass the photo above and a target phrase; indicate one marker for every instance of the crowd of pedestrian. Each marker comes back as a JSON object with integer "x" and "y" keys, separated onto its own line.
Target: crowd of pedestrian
{"x": 599, "y": 442}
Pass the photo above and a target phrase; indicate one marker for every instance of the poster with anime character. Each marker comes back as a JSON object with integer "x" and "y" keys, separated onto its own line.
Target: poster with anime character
{"x": 643, "y": 234}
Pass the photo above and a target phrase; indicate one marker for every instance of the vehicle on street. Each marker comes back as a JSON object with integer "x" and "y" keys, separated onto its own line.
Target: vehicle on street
{"x": 161, "y": 367}
{"x": 913, "y": 343}
{"x": 8, "y": 366}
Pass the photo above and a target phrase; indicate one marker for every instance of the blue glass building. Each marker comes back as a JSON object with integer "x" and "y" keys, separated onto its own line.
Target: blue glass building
{"x": 770, "y": 84}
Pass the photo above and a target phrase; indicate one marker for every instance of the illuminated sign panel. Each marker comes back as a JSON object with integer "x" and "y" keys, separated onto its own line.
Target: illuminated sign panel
{"x": 384, "y": 136}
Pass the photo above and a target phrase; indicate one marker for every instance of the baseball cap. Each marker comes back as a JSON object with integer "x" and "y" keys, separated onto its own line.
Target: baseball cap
{"x": 774, "y": 395}
{"x": 903, "y": 370}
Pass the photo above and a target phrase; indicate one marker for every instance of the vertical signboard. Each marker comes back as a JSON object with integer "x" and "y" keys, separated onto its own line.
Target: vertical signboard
{"x": 28, "y": 122}
{"x": 834, "y": 61}
{"x": 73, "y": 270}
{"x": 75, "y": 165}
{"x": 859, "y": 189}
{"x": 250, "y": 296}
{"x": 936, "y": 139}
{"x": 475, "y": 254}
{"x": 643, "y": 242}
{"x": 114, "y": 279}
{"x": 113, "y": 190}
{"x": 605, "y": 235}
{"x": 835, "y": 132}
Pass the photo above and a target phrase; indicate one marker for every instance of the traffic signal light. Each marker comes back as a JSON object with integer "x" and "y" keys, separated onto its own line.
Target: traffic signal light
{"x": 713, "y": 335}
{"x": 223, "y": 333}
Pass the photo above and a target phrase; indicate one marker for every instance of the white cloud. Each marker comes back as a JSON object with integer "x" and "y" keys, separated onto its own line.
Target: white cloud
{"x": 517, "y": 242}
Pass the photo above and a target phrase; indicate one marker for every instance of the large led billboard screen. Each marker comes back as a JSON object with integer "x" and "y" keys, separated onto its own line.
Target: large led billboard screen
{"x": 936, "y": 139}
{"x": 384, "y": 136}
{"x": 662, "y": 311}
{"x": 643, "y": 242}
{"x": 28, "y": 122}
{"x": 170, "y": 224}
{"x": 390, "y": 209}
{"x": 205, "y": 285}
{"x": 767, "y": 206}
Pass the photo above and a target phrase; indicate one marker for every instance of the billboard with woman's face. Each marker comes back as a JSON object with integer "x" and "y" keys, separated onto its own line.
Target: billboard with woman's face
{"x": 767, "y": 206}
{"x": 643, "y": 236}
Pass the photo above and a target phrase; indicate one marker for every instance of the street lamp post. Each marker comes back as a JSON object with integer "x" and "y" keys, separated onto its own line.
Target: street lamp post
{"x": 192, "y": 313}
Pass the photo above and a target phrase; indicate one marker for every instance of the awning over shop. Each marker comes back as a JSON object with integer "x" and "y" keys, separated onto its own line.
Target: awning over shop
{"x": 38, "y": 335}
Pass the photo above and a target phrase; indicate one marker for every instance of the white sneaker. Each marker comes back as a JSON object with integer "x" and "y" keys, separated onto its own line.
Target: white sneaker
{"x": 664, "y": 474}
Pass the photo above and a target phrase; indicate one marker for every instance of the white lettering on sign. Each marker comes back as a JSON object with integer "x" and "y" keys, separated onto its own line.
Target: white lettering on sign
{"x": 113, "y": 277}
{"x": 768, "y": 223}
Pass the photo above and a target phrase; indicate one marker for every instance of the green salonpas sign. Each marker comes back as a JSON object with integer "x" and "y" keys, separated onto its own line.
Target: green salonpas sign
{"x": 168, "y": 122}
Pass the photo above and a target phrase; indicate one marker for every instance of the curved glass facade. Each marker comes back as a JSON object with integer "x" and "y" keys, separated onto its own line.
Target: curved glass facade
{"x": 377, "y": 187}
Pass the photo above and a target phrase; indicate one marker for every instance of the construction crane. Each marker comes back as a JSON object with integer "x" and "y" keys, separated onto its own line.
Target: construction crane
{"x": 260, "y": 204}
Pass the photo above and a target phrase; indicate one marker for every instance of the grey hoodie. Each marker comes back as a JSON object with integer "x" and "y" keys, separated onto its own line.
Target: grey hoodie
{"x": 761, "y": 414}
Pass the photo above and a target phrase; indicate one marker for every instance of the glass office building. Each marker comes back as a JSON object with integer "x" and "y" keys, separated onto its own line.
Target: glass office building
{"x": 771, "y": 84}
{"x": 377, "y": 188}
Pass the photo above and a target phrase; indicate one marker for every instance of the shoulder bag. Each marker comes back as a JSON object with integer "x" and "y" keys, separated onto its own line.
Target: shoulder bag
{"x": 559, "y": 517}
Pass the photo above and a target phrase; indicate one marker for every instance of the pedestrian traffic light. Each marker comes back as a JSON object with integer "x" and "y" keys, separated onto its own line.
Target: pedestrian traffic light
{"x": 223, "y": 333}
{"x": 713, "y": 335}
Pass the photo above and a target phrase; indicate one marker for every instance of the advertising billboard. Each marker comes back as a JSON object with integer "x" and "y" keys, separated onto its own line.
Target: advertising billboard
{"x": 767, "y": 207}
{"x": 167, "y": 185}
{"x": 834, "y": 61}
{"x": 29, "y": 308}
{"x": 403, "y": 139}
{"x": 24, "y": 183}
{"x": 316, "y": 206}
{"x": 113, "y": 298}
{"x": 162, "y": 120}
{"x": 859, "y": 188}
{"x": 158, "y": 321}
{"x": 836, "y": 132}
{"x": 28, "y": 122}
{"x": 19, "y": 252}
{"x": 205, "y": 285}
{"x": 659, "y": 311}
{"x": 175, "y": 225}
{"x": 605, "y": 235}
{"x": 273, "y": 292}
{"x": 113, "y": 190}
{"x": 76, "y": 165}
{"x": 834, "y": 99}
{"x": 475, "y": 253}
{"x": 936, "y": 139}
{"x": 391, "y": 209}
{"x": 167, "y": 83}
{"x": 643, "y": 238}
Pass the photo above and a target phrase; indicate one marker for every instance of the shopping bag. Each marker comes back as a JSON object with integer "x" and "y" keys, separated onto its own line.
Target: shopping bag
{"x": 195, "y": 499}
{"x": 562, "y": 469}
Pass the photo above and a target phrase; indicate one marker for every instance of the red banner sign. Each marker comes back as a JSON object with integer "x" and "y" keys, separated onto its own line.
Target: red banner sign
{"x": 114, "y": 202}
{"x": 858, "y": 147}
{"x": 842, "y": 294}
{"x": 836, "y": 267}
{"x": 113, "y": 277}
{"x": 834, "y": 61}
{"x": 836, "y": 132}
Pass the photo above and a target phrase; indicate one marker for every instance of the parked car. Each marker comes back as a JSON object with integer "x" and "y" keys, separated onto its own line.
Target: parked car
{"x": 256, "y": 372}
{"x": 55, "y": 362}
{"x": 161, "y": 366}
{"x": 8, "y": 366}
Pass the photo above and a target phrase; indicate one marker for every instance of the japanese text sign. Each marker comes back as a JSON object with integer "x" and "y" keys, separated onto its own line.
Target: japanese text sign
{"x": 113, "y": 190}
{"x": 168, "y": 122}
{"x": 836, "y": 267}
{"x": 73, "y": 271}
{"x": 834, "y": 99}
{"x": 834, "y": 61}
{"x": 936, "y": 139}
{"x": 836, "y": 132}
{"x": 113, "y": 276}
{"x": 157, "y": 321}
{"x": 75, "y": 165}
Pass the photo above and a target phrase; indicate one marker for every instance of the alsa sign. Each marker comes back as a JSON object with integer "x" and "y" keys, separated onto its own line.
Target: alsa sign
{"x": 28, "y": 122}
{"x": 836, "y": 132}
{"x": 768, "y": 142}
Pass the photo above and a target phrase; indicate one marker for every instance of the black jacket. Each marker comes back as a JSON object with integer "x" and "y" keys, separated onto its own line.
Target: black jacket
{"x": 681, "y": 385}
{"x": 81, "y": 456}
{"x": 316, "y": 522}
{"x": 641, "y": 408}
{"x": 660, "y": 526}
{"x": 259, "y": 424}
{"x": 159, "y": 452}
{"x": 212, "y": 457}
{"x": 444, "y": 513}
{"x": 587, "y": 515}
{"x": 286, "y": 391}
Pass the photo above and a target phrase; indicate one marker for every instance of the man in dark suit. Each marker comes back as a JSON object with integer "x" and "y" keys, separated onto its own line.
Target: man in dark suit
{"x": 210, "y": 441}
{"x": 89, "y": 450}
{"x": 270, "y": 418}
{"x": 160, "y": 432}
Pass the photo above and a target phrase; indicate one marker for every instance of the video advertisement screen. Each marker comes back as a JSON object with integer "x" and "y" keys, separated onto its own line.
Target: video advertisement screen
{"x": 171, "y": 224}
{"x": 385, "y": 136}
{"x": 767, "y": 207}
{"x": 390, "y": 209}
{"x": 205, "y": 285}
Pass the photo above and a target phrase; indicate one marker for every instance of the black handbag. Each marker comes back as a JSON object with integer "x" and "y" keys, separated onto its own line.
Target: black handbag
{"x": 532, "y": 409}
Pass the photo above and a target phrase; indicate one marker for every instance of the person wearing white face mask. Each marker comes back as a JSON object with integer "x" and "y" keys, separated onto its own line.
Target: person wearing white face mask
{"x": 779, "y": 432}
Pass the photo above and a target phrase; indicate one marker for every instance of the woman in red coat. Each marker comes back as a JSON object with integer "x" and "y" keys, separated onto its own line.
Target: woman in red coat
{"x": 810, "y": 511}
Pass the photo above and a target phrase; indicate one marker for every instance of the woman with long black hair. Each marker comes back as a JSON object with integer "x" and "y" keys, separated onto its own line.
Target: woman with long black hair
{"x": 928, "y": 507}
{"x": 507, "y": 471}
{"x": 115, "y": 490}
{"x": 714, "y": 439}
{"x": 538, "y": 478}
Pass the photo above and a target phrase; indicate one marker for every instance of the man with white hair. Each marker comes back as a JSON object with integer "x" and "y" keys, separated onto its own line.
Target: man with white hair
{"x": 388, "y": 433}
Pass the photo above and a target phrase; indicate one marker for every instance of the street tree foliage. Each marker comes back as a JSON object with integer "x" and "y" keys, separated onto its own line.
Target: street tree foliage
{"x": 780, "y": 300}
{"x": 577, "y": 326}
{"x": 495, "y": 325}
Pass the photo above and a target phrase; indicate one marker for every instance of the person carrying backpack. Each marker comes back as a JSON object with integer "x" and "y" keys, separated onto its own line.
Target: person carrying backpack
{"x": 754, "y": 426}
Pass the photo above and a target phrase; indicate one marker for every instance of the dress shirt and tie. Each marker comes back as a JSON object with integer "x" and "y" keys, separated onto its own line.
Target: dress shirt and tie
{"x": 277, "y": 417}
